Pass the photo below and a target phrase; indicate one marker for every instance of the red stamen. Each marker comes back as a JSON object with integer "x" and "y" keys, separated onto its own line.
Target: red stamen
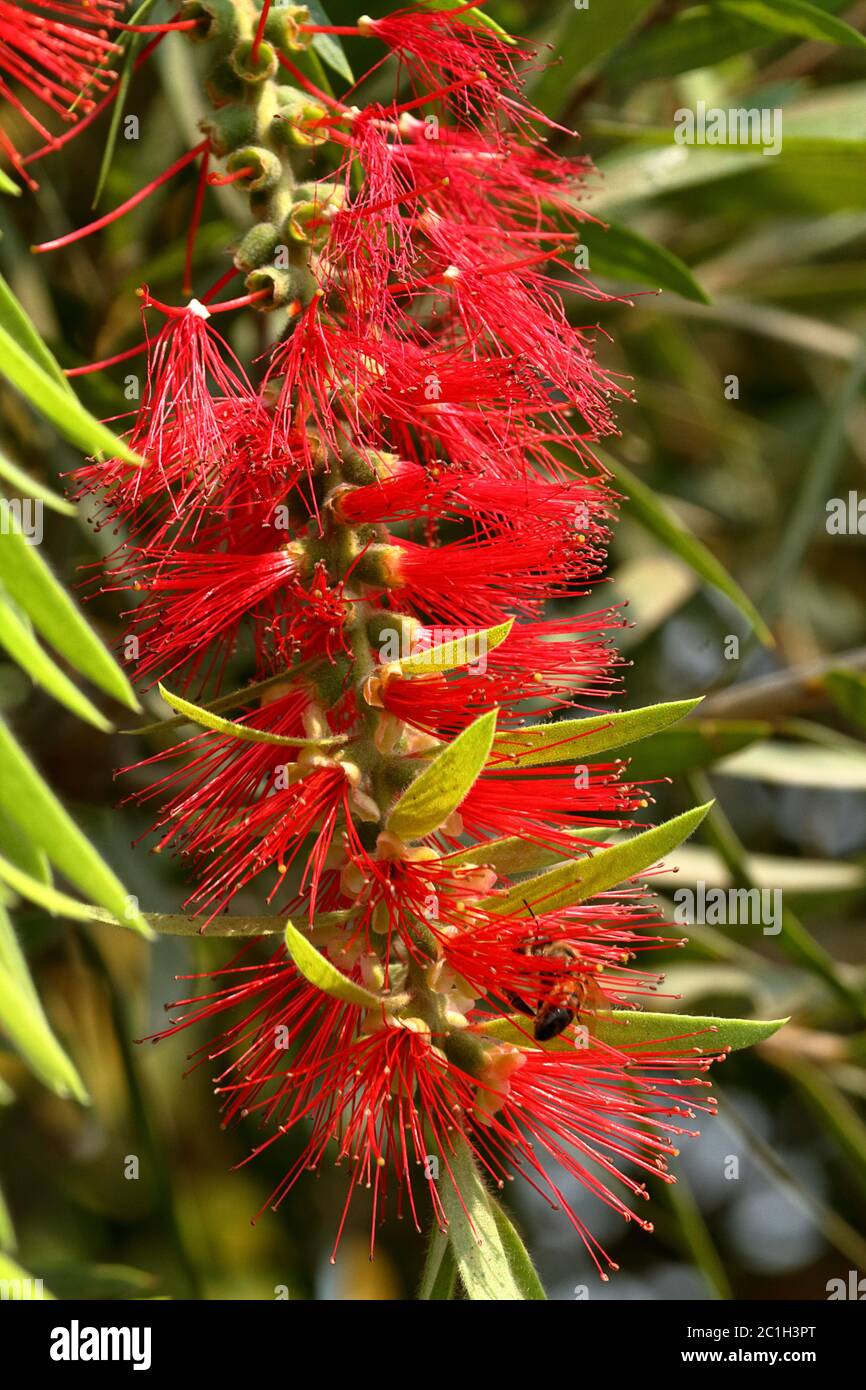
{"x": 128, "y": 206}
{"x": 221, "y": 180}
{"x": 309, "y": 86}
{"x": 106, "y": 362}
{"x": 260, "y": 32}
{"x": 56, "y": 143}
{"x": 171, "y": 26}
{"x": 220, "y": 284}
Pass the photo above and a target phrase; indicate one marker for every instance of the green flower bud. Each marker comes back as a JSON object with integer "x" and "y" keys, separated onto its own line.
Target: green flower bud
{"x": 266, "y": 169}
{"x": 261, "y": 69}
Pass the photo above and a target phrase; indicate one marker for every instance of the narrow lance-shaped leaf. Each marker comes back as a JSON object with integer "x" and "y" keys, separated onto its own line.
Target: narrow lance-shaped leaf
{"x": 521, "y": 1265}
{"x": 575, "y": 881}
{"x": 662, "y": 524}
{"x": 30, "y": 487}
{"x": 59, "y": 406}
{"x": 132, "y": 44}
{"x": 568, "y": 739}
{"x": 23, "y": 648}
{"x": 512, "y": 855}
{"x": 21, "y": 851}
{"x": 439, "y": 1276}
{"x": 328, "y": 46}
{"x": 462, "y": 650}
{"x": 471, "y": 15}
{"x": 797, "y": 17}
{"x": 15, "y": 322}
{"x": 208, "y": 720}
{"x": 622, "y": 254}
{"x": 226, "y": 924}
{"x": 31, "y": 803}
{"x": 325, "y": 976}
{"x": 482, "y": 1262}
{"x": 43, "y": 894}
{"x": 443, "y": 784}
{"x": 626, "y": 1029}
{"x": 27, "y": 1029}
{"x": 23, "y": 1021}
{"x": 28, "y": 580}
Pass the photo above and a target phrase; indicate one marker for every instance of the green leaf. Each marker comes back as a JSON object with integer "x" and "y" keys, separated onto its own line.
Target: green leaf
{"x": 132, "y": 43}
{"x": 847, "y": 690}
{"x": 475, "y": 18}
{"x": 8, "y": 186}
{"x": 482, "y": 1262}
{"x": 623, "y": 1028}
{"x": 661, "y": 523}
{"x": 27, "y": 1029}
{"x": 23, "y": 648}
{"x": 44, "y": 895}
{"x": 59, "y": 406}
{"x": 20, "y": 851}
{"x": 518, "y": 1257}
{"x": 30, "y": 802}
{"x": 622, "y": 254}
{"x": 576, "y": 881}
{"x": 795, "y": 17}
{"x": 208, "y": 720}
{"x": 698, "y": 37}
{"x": 440, "y": 1270}
{"x": 328, "y": 46}
{"x": 29, "y": 487}
{"x": 245, "y": 696}
{"x": 23, "y": 1021}
{"x": 13, "y": 961}
{"x": 699, "y": 743}
{"x": 15, "y": 322}
{"x": 32, "y": 1290}
{"x": 581, "y": 39}
{"x": 515, "y": 856}
{"x": 30, "y": 583}
{"x": 180, "y": 924}
{"x": 459, "y": 652}
{"x": 443, "y": 784}
{"x": 325, "y": 976}
{"x": 568, "y": 739}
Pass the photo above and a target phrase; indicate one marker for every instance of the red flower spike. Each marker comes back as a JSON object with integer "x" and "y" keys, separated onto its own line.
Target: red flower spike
{"x": 418, "y": 465}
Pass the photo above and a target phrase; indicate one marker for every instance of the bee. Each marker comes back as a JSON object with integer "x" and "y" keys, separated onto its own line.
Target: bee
{"x": 566, "y": 996}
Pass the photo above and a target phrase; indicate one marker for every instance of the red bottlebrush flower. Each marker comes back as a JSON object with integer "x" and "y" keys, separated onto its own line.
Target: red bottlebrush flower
{"x": 416, "y": 466}
{"x": 479, "y": 583}
{"x": 569, "y": 660}
{"x": 198, "y": 602}
{"x": 56, "y": 54}
{"x": 437, "y": 46}
{"x": 525, "y": 803}
{"x": 383, "y": 1101}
